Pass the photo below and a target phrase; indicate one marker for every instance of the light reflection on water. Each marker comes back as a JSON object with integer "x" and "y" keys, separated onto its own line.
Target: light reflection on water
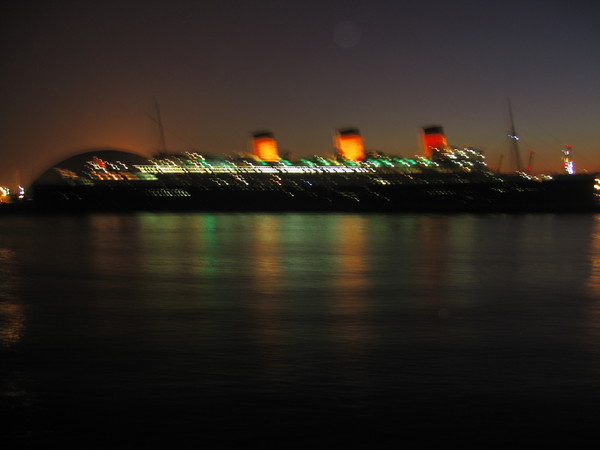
{"x": 594, "y": 252}
{"x": 284, "y": 316}
{"x": 12, "y": 316}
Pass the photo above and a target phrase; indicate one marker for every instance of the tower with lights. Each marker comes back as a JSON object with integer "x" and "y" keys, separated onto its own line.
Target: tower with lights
{"x": 568, "y": 164}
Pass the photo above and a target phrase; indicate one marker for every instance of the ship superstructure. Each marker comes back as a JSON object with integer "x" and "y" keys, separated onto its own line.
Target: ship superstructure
{"x": 445, "y": 179}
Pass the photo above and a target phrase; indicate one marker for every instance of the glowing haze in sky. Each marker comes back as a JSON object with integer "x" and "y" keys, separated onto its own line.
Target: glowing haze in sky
{"x": 82, "y": 74}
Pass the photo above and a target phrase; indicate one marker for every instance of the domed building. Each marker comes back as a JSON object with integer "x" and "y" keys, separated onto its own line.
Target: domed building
{"x": 86, "y": 167}
{"x": 100, "y": 179}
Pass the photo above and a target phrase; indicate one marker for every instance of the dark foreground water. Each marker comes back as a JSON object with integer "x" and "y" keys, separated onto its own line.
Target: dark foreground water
{"x": 299, "y": 331}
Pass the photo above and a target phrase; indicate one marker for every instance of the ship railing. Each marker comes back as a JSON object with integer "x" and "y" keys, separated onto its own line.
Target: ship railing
{"x": 172, "y": 169}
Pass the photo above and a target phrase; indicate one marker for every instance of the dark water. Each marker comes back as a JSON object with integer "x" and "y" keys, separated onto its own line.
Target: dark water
{"x": 300, "y": 331}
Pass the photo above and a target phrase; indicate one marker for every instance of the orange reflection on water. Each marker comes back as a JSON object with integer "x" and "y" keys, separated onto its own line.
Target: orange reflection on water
{"x": 593, "y": 283}
{"x": 12, "y": 316}
{"x": 352, "y": 263}
{"x": 266, "y": 275}
{"x": 351, "y": 283}
{"x": 432, "y": 265}
{"x": 267, "y": 264}
{"x": 12, "y": 324}
{"x": 433, "y": 241}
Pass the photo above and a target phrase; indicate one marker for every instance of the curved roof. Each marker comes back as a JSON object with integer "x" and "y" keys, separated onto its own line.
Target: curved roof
{"x": 78, "y": 163}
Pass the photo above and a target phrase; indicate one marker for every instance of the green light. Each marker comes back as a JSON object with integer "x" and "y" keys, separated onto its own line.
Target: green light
{"x": 307, "y": 163}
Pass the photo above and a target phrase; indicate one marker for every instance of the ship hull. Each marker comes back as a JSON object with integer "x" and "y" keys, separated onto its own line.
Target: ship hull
{"x": 498, "y": 194}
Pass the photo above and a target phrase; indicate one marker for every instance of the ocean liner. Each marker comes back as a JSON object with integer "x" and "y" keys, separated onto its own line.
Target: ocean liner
{"x": 444, "y": 179}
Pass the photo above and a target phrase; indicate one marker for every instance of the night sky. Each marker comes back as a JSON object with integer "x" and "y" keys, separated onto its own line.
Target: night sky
{"x": 83, "y": 74}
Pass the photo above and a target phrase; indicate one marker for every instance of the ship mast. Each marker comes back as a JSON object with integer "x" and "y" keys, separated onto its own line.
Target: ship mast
{"x": 530, "y": 163}
{"x": 160, "y": 127}
{"x": 514, "y": 141}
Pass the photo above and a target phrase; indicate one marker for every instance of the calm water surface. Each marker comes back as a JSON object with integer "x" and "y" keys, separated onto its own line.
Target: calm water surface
{"x": 300, "y": 331}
